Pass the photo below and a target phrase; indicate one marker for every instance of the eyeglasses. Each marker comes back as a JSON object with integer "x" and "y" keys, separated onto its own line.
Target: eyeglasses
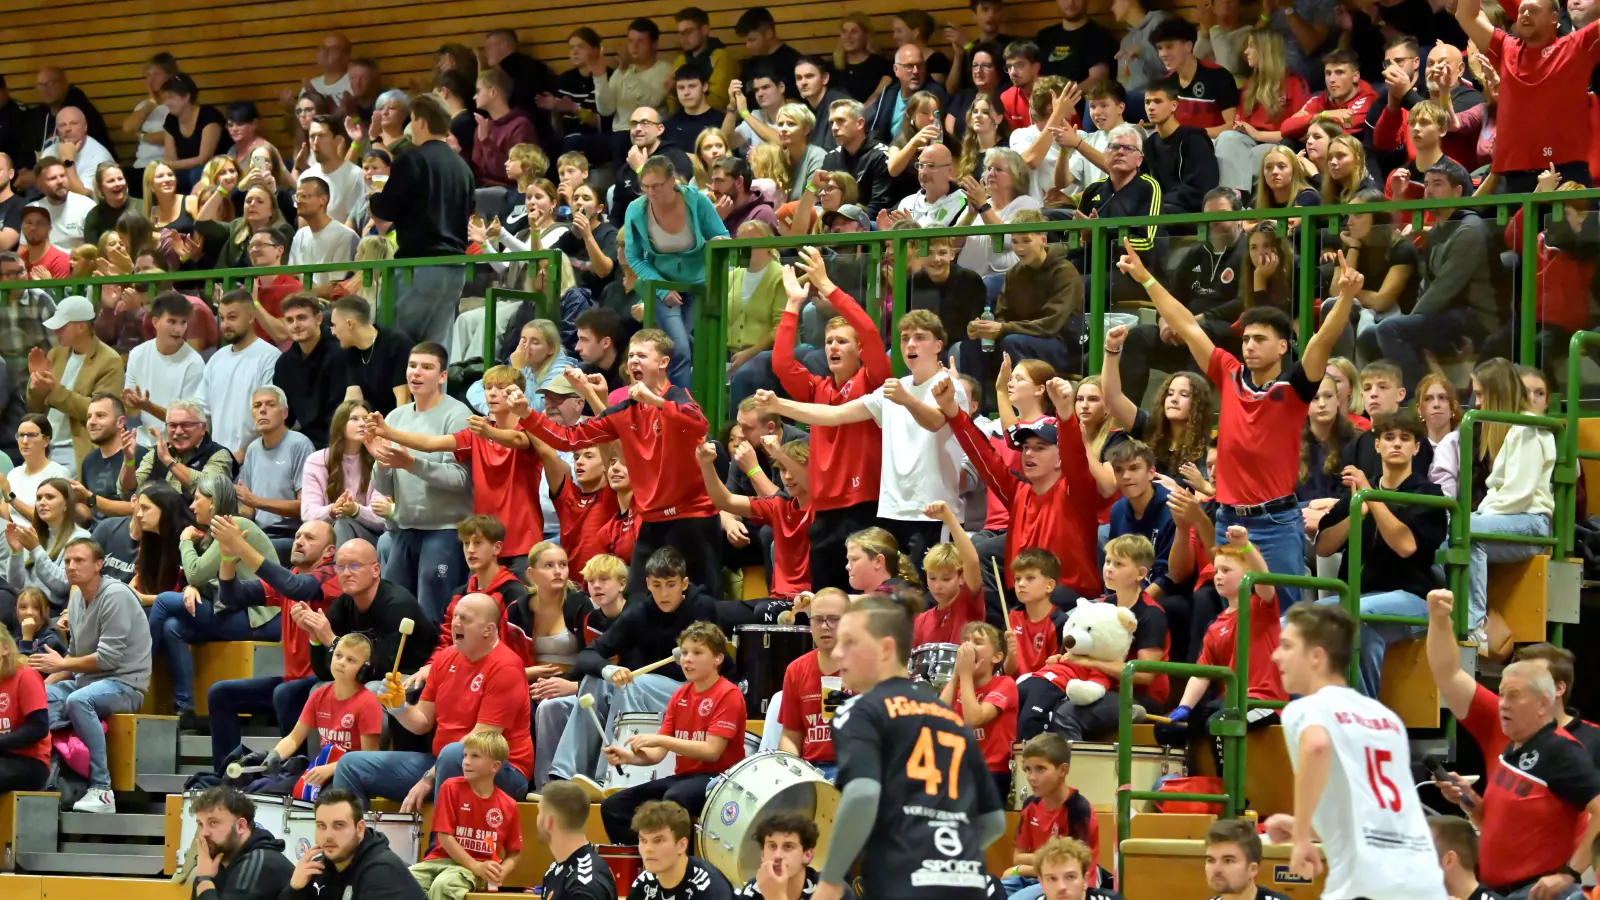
{"x": 184, "y": 426}
{"x": 29, "y": 434}
{"x": 984, "y": 65}
{"x": 640, "y": 123}
{"x": 349, "y": 568}
{"x": 652, "y": 187}
{"x": 909, "y": 66}
{"x": 1123, "y": 148}
{"x": 931, "y": 165}
{"x": 826, "y": 621}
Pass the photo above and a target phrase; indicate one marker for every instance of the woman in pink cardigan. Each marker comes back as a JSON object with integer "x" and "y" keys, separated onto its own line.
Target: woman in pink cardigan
{"x": 343, "y": 494}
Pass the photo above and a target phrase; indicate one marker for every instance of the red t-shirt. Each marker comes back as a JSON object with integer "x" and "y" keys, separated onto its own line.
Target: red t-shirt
{"x": 488, "y": 828}
{"x": 695, "y": 716}
{"x": 802, "y": 709}
{"x": 1221, "y": 641}
{"x": 1258, "y": 432}
{"x": 1542, "y": 93}
{"x": 505, "y": 484}
{"x": 54, "y": 259}
{"x": 296, "y": 644}
{"x": 1074, "y": 818}
{"x": 995, "y": 739}
{"x": 343, "y": 722}
{"x": 21, "y": 695}
{"x": 493, "y": 691}
{"x": 202, "y": 324}
{"x": 583, "y": 519}
{"x": 791, "y": 540}
{"x": 1035, "y": 640}
{"x": 271, "y": 294}
{"x": 1017, "y": 107}
{"x": 621, "y": 533}
{"x": 943, "y": 624}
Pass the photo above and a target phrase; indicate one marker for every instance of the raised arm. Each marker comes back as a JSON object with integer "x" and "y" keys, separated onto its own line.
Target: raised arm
{"x": 423, "y": 443}
{"x": 1469, "y": 14}
{"x": 971, "y": 566}
{"x": 1347, "y": 281}
{"x": 1456, "y": 687}
{"x": 1177, "y": 315}
{"x": 721, "y": 497}
{"x": 813, "y": 413}
{"x": 1123, "y": 410}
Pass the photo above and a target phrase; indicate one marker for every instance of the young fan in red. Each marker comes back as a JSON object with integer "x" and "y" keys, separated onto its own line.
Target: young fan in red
{"x": 985, "y": 700}
{"x": 24, "y": 721}
{"x": 1054, "y": 810}
{"x": 812, "y": 685}
{"x": 477, "y": 828}
{"x": 703, "y": 725}
{"x": 619, "y": 535}
{"x": 790, "y": 519}
{"x": 1564, "y": 272}
{"x": 1231, "y": 561}
{"x": 344, "y": 715}
{"x": 584, "y": 501}
{"x": 845, "y": 460}
{"x": 482, "y": 541}
{"x": 1033, "y": 633}
{"x": 955, "y": 582}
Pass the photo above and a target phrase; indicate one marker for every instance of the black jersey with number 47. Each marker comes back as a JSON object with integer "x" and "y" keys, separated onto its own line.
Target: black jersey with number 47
{"x": 935, "y": 786}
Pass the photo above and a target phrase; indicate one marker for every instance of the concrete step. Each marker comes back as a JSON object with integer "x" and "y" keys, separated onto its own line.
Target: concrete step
{"x": 93, "y": 863}
{"x": 119, "y": 825}
{"x": 159, "y": 784}
{"x": 74, "y": 847}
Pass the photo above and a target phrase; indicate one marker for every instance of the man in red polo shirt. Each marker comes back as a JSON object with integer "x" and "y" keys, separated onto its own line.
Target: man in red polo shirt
{"x": 1544, "y": 85}
{"x": 812, "y": 688}
{"x": 477, "y": 685}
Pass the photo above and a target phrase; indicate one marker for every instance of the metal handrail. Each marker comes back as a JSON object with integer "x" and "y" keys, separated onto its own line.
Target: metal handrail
{"x": 1353, "y": 558}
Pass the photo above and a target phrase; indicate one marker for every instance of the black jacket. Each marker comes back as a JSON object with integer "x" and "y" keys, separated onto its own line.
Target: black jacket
{"x": 881, "y": 120}
{"x": 430, "y": 196}
{"x": 1206, "y": 280}
{"x": 374, "y": 872}
{"x": 644, "y": 634}
{"x": 260, "y": 872}
{"x": 41, "y": 124}
{"x": 870, "y": 167}
{"x": 381, "y": 624}
{"x": 626, "y": 188}
{"x": 1186, "y": 166}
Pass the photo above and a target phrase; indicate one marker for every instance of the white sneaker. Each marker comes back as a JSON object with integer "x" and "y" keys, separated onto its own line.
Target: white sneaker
{"x": 98, "y": 800}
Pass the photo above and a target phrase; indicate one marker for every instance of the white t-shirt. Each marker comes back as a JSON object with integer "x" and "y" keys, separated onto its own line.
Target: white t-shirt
{"x": 89, "y": 158}
{"x": 941, "y": 213}
{"x": 919, "y": 466}
{"x": 231, "y": 376}
{"x": 751, "y": 139}
{"x": 1085, "y": 173}
{"x": 154, "y": 123}
{"x": 1044, "y": 174}
{"x": 981, "y": 255}
{"x": 66, "y": 220}
{"x": 26, "y": 486}
{"x": 1374, "y": 831}
{"x": 335, "y": 243}
{"x": 346, "y": 187}
{"x": 167, "y": 378}
{"x": 333, "y": 90}
{"x": 60, "y": 425}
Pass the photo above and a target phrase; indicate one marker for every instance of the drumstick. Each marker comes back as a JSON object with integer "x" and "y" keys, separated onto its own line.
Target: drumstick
{"x": 235, "y": 770}
{"x": 677, "y": 653}
{"x": 406, "y": 627}
{"x": 1140, "y": 715}
{"x": 999, "y": 583}
{"x": 587, "y": 703}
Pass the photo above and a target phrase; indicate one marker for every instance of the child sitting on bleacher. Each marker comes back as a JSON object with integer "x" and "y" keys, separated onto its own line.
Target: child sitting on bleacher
{"x": 1033, "y": 633}
{"x": 1231, "y": 561}
{"x": 987, "y": 701}
{"x": 38, "y": 631}
{"x": 1054, "y": 810}
{"x": 477, "y": 829}
{"x": 955, "y": 582}
{"x": 344, "y": 715}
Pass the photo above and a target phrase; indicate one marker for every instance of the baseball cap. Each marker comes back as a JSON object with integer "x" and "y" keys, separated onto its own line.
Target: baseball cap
{"x": 38, "y": 209}
{"x": 849, "y": 211}
{"x": 1043, "y": 430}
{"x": 69, "y": 310}
{"x": 560, "y": 386}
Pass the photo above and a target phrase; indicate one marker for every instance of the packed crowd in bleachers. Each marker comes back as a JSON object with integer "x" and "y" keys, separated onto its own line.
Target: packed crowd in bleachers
{"x": 481, "y": 570}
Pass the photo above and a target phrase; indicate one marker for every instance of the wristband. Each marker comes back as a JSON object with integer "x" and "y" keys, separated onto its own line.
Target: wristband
{"x": 1148, "y": 283}
{"x": 985, "y": 207}
{"x": 752, "y": 472}
{"x": 130, "y": 463}
{"x": 1111, "y": 352}
{"x": 232, "y": 559}
{"x": 744, "y": 116}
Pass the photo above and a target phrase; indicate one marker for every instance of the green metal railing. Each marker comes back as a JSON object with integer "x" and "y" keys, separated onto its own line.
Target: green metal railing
{"x": 1455, "y": 567}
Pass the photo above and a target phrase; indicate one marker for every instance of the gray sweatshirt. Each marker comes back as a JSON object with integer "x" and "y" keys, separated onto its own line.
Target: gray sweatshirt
{"x": 437, "y": 492}
{"x": 116, "y": 630}
{"x": 1138, "y": 64}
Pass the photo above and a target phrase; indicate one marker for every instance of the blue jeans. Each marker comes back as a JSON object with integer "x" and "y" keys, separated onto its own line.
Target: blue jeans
{"x": 1280, "y": 537}
{"x": 678, "y": 323}
{"x": 755, "y": 375}
{"x": 1020, "y": 888}
{"x": 429, "y": 564}
{"x": 228, "y": 700}
{"x": 1025, "y": 346}
{"x": 1376, "y": 637}
{"x": 1404, "y": 340}
{"x": 992, "y": 284}
{"x": 1485, "y": 552}
{"x": 83, "y": 708}
{"x": 392, "y": 774}
{"x": 425, "y": 307}
{"x": 173, "y": 629}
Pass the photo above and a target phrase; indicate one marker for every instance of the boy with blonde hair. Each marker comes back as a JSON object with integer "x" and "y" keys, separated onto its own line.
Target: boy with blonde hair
{"x": 477, "y": 827}
{"x": 556, "y": 696}
{"x": 985, "y": 700}
{"x": 954, "y": 578}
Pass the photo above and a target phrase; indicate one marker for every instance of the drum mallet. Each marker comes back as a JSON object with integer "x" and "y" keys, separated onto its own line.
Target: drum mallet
{"x": 587, "y": 703}
{"x": 999, "y": 582}
{"x": 406, "y": 627}
{"x": 677, "y": 654}
{"x": 235, "y": 770}
{"x": 1142, "y": 716}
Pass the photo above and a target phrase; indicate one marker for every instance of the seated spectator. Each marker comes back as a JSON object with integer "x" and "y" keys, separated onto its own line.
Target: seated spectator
{"x": 794, "y": 124}
{"x": 1387, "y": 260}
{"x": 304, "y": 589}
{"x": 1107, "y": 104}
{"x": 368, "y": 604}
{"x": 164, "y": 368}
{"x": 38, "y": 549}
{"x": 600, "y": 339}
{"x": 1326, "y": 433}
{"x": 259, "y": 212}
{"x": 246, "y": 856}
{"x": 61, "y": 382}
{"x": 376, "y": 167}
{"x": 269, "y": 477}
{"x": 1457, "y": 301}
{"x": 1142, "y": 510}
{"x": 985, "y": 697}
{"x": 106, "y": 668}
{"x": 26, "y": 740}
{"x": 195, "y": 133}
{"x": 694, "y": 111}
{"x": 1001, "y": 194}
{"x": 735, "y": 201}
{"x": 755, "y": 306}
{"x": 1270, "y": 95}
{"x": 113, "y": 195}
{"x": 1126, "y": 191}
{"x": 44, "y": 260}
{"x": 1565, "y": 273}
{"x": 1399, "y": 541}
{"x": 701, "y": 725}
{"x": 310, "y": 371}
{"x": 1055, "y": 809}
{"x": 983, "y": 128}
{"x": 1456, "y": 841}
{"x": 918, "y": 129}
{"x": 210, "y": 198}
{"x": 954, "y": 294}
{"x": 342, "y": 716}
{"x": 375, "y": 359}
{"x": 1344, "y": 170}
{"x": 1022, "y": 61}
{"x": 321, "y": 239}
{"x": 479, "y": 831}
{"x": 764, "y": 50}
{"x": 234, "y": 372}
{"x": 1041, "y": 295}
{"x": 758, "y": 128}
{"x": 80, "y": 153}
{"x": 911, "y": 73}
{"x": 479, "y": 688}
{"x": 98, "y": 486}
{"x": 1346, "y": 100}
{"x": 1233, "y": 859}
{"x": 244, "y": 129}
{"x": 663, "y": 830}
{"x": 1208, "y": 95}
{"x": 336, "y": 481}
{"x": 500, "y": 128}
{"x": 813, "y": 79}
{"x": 706, "y": 53}
{"x": 639, "y": 80}
{"x": 645, "y": 133}
{"x": 1179, "y": 432}
{"x": 68, "y": 210}
{"x": 343, "y": 179}
{"x": 938, "y": 204}
{"x": 539, "y": 356}
{"x": 860, "y": 154}
{"x": 372, "y": 866}
{"x": 184, "y": 452}
{"x": 33, "y": 437}
{"x": 1180, "y": 157}
{"x": 1283, "y": 183}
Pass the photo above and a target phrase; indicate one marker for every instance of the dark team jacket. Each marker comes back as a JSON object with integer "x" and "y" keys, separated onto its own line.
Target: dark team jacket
{"x": 582, "y": 876}
{"x": 374, "y": 871}
{"x": 754, "y": 893}
{"x": 260, "y": 872}
{"x": 381, "y": 624}
{"x": 644, "y": 633}
{"x": 701, "y": 881}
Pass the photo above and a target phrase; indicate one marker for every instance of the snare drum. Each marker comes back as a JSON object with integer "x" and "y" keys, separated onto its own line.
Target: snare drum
{"x": 756, "y": 787}
{"x": 624, "y": 862}
{"x": 765, "y": 652}
{"x": 623, "y": 777}
{"x": 934, "y": 664}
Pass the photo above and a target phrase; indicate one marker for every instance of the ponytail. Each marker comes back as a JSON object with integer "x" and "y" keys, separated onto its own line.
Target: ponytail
{"x": 908, "y": 572}
{"x": 875, "y": 542}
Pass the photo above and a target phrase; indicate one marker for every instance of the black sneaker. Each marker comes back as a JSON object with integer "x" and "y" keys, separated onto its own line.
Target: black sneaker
{"x": 189, "y": 721}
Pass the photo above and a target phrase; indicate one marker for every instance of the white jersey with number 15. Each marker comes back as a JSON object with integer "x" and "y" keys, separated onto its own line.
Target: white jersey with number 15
{"x": 1371, "y": 824}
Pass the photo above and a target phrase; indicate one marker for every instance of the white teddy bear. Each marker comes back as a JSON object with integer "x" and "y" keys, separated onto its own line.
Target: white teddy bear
{"x": 1097, "y": 630}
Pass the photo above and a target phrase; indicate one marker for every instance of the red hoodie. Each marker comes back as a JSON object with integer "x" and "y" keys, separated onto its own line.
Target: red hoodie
{"x": 1359, "y": 104}
{"x": 511, "y": 637}
{"x": 1564, "y": 280}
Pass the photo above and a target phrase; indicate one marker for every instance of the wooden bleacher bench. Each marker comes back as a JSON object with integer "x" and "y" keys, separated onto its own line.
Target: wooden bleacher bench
{"x": 1408, "y": 687}
{"x": 71, "y": 887}
{"x": 141, "y": 745}
{"x": 17, "y": 833}
{"x": 213, "y": 662}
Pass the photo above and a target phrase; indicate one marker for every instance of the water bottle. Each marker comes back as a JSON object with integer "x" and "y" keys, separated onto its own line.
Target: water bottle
{"x": 988, "y": 316}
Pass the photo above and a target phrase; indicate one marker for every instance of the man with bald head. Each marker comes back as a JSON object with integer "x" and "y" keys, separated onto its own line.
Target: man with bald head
{"x": 1404, "y": 70}
{"x": 304, "y": 590}
{"x": 79, "y": 152}
{"x": 911, "y": 76}
{"x": 476, "y": 685}
{"x": 938, "y": 204}
{"x": 645, "y": 130}
{"x": 373, "y": 606}
{"x": 56, "y": 93}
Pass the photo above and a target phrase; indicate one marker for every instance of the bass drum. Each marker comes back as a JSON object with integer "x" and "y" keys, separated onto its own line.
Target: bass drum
{"x": 759, "y": 786}
{"x": 934, "y": 664}
{"x": 765, "y": 652}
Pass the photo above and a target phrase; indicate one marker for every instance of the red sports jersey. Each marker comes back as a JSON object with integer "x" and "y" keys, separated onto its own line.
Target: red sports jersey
{"x": 1074, "y": 818}
{"x": 694, "y": 716}
{"x": 802, "y": 709}
{"x": 845, "y": 460}
{"x": 658, "y": 444}
{"x": 1222, "y": 639}
{"x": 296, "y": 644}
{"x": 583, "y": 520}
{"x": 1035, "y": 640}
{"x": 791, "y": 539}
{"x": 493, "y": 690}
{"x": 505, "y": 484}
{"x": 621, "y": 533}
{"x": 341, "y": 723}
{"x": 1017, "y": 106}
{"x": 995, "y": 739}
{"x": 1541, "y": 116}
{"x": 1359, "y": 103}
{"x": 488, "y": 828}
{"x": 943, "y": 624}
{"x": 1257, "y": 469}
{"x": 20, "y": 695}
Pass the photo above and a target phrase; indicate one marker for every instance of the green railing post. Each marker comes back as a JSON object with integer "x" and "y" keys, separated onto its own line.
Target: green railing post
{"x": 1528, "y": 326}
{"x": 387, "y": 292}
{"x": 899, "y": 291}
{"x": 1306, "y": 295}
{"x": 1354, "y": 548}
{"x": 1099, "y": 295}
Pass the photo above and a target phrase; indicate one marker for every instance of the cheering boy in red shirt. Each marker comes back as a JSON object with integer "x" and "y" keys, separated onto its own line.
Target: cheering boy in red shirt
{"x": 955, "y": 581}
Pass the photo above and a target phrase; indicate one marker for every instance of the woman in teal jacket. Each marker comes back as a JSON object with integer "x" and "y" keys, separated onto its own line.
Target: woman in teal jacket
{"x": 666, "y": 232}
